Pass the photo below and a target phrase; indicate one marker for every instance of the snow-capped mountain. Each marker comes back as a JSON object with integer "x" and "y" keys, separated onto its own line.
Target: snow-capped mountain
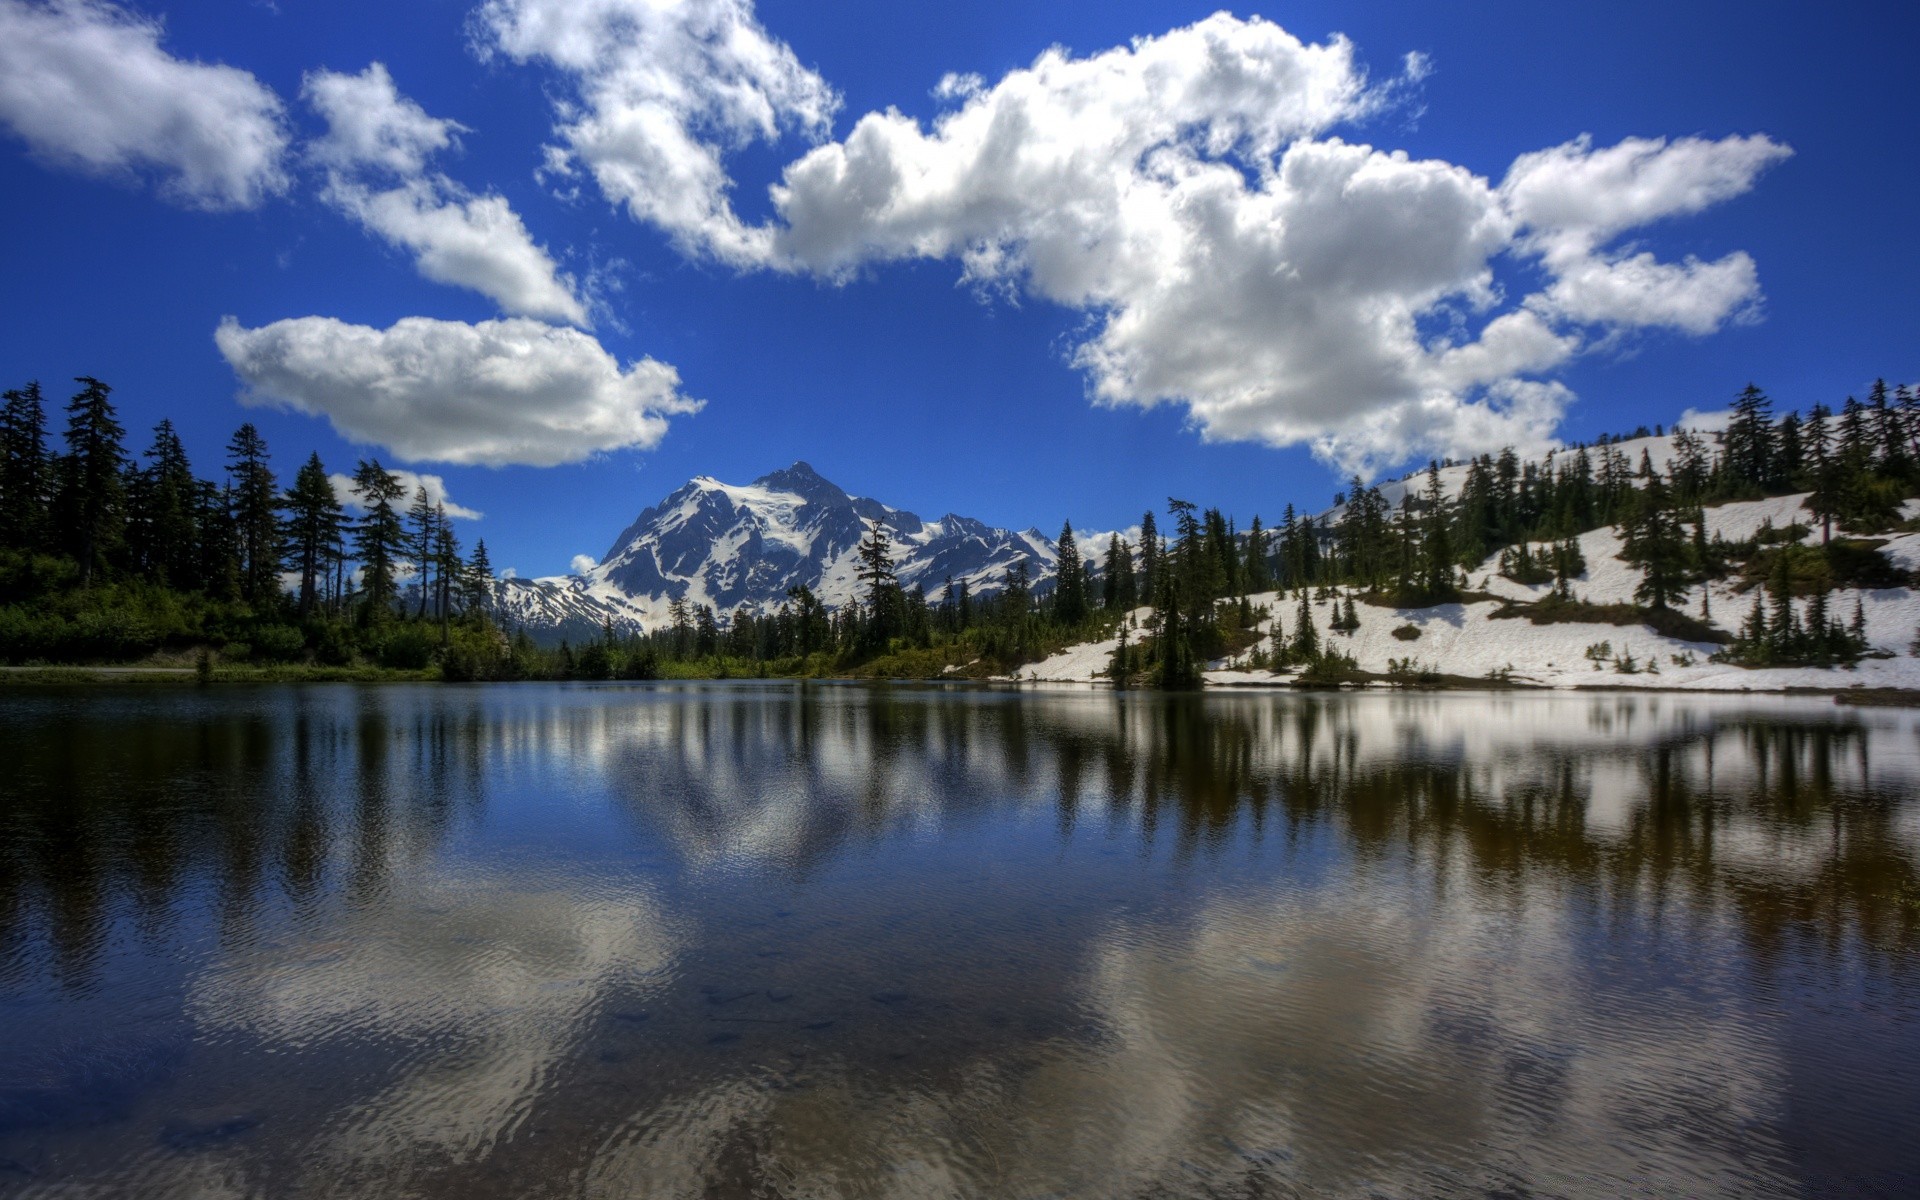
{"x": 732, "y": 545}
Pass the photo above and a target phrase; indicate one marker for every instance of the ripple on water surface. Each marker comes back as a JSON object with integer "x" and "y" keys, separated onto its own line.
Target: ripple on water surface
{"x": 762, "y": 940}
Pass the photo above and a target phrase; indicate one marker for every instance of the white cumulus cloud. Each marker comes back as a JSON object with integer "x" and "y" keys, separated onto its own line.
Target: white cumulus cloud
{"x": 661, "y": 90}
{"x": 412, "y": 482}
{"x": 582, "y": 563}
{"x": 377, "y": 152}
{"x": 86, "y": 84}
{"x": 491, "y": 393}
{"x": 1237, "y": 258}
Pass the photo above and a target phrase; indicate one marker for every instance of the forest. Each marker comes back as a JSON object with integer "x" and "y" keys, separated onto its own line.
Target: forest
{"x": 111, "y": 557}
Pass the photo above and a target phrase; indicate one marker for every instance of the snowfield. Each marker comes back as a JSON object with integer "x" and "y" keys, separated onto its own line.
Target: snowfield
{"x": 1463, "y": 640}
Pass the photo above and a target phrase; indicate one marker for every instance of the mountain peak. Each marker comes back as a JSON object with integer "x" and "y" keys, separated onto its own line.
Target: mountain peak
{"x": 800, "y": 477}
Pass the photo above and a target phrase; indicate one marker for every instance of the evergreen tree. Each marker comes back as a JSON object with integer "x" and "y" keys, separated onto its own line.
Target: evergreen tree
{"x": 162, "y": 537}
{"x": 92, "y": 496}
{"x": 875, "y": 572}
{"x": 25, "y": 475}
{"x": 1436, "y": 546}
{"x": 446, "y": 566}
{"x": 380, "y": 536}
{"x": 1748, "y": 458}
{"x": 312, "y": 528}
{"x": 1149, "y": 559}
{"x": 1070, "y": 581}
{"x": 478, "y": 579}
{"x": 1656, "y": 543}
{"x": 423, "y": 537}
{"x": 256, "y": 515}
{"x": 218, "y": 568}
{"x": 1117, "y": 578}
{"x": 1259, "y": 567}
{"x": 1306, "y": 641}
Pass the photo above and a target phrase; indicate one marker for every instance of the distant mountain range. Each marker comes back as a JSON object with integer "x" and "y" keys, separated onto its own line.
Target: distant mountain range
{"x": 730, "y": 546}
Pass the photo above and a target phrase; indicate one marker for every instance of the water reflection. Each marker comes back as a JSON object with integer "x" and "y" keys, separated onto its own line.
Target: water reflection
{"x": 837, "y": 941}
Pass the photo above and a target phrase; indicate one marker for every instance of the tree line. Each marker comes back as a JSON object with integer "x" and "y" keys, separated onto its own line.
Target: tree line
{"x": 107, "y": 556}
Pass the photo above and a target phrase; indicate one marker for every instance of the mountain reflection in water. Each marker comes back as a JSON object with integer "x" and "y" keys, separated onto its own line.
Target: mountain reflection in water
{"x": 776, "y": 940}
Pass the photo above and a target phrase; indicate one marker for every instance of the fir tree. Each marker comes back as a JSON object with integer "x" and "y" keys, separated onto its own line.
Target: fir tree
{"x": 1117, "y": 589}
{"x": 1149, "y": 559}
{"x": 1306, "y": 642}
{"x": 478, "y": 579}
{"x": 1070, "y": 581}
{"x": 92, "y": 505}
{"x": 424, "y": 536}
{"x": 162, "y": 536}
{"x": 379, "y": 536}
{"x": 1656, "y": 544}
{"x": 25, "y": 475}
{"x": 255, "y": 498}
{"x": 313, "y": 523}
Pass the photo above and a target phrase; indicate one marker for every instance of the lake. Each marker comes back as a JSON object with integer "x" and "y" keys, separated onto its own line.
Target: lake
{"x": 771, "y": 939}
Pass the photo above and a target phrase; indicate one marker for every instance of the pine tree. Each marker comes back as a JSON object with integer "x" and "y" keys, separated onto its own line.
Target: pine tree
{"x": 256, "y": 515}
{"x": 1749, "y": 442}
{"x": 162, "y": 537}
{"x": 1070, "y": 581}
{"x": 1259, "y": 569}
{"x": 25, "y": 473}
{"x": 478, "y": 580}
{"x": 446, "y": 565}
{"x": 218, "y": 566}
{"x": 380, "y": 536}
{"x": 1656, "y": 544}
{"x": 1117, "y": 578}
{"x": 92, "y": 505}
{"x": 1436, "y": 546}
{"x": 424, "y": 537}
{"x": 875, "y": 572}
{"x": 312, "y": 527}
{"x": 1306, "y": 642}
{"x": 1149, "y": 559}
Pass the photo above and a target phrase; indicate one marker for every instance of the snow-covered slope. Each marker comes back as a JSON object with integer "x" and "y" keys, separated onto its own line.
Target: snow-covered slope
{"x": 1465, "y": 640}
{"x": 733, "y": 545}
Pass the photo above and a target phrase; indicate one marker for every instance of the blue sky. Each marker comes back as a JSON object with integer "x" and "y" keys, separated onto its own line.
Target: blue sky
{"x": 1069, "y": 305}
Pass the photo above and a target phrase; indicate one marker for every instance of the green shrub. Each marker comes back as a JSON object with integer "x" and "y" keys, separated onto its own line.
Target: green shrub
{"x": 278, "y": 644}
{"x": 1407, "y": 633}
{"x": 407, "y": 648}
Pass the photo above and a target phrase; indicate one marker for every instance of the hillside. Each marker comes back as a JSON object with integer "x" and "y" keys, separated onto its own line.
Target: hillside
{"x": 1466, "y": 640}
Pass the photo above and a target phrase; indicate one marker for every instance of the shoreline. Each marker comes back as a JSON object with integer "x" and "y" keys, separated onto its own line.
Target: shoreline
{"x": 1857, "y": 695}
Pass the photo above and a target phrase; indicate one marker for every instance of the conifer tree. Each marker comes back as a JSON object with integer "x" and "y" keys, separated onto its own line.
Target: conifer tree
{"x": 478, "y": 579}
{"x": 1259, "y": 570}
{"x": 1117, "y": 579}
{"x": 446, "y": 564}
{"x": 1656, "y": 544}
{"x": 25, "y": 475}
{"x": 1436, "y": 546}
{"x": 162, "y": 536}
{"x": 1748, "y": 457}
{"x": 255, "y": 498}
{"x": 218, "y": 568}
{"x": 92, "y": 504}
{"x": 424, "y": 536}
{"x": 1070, "y": 581}
{"x": 1149, "y": 559}
{"x": 312, "y": 527}
{"x": 380, "y": 535}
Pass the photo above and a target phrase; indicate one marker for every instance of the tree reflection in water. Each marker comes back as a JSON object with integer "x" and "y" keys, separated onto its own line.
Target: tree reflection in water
{"x": 833, "y": 940}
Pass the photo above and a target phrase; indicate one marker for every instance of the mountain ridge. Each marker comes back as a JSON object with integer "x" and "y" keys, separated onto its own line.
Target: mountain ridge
{"x": 732, "y": 546}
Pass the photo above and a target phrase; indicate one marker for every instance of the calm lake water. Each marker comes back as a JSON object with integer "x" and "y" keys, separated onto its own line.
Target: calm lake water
{"x": 830, "y": 941}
